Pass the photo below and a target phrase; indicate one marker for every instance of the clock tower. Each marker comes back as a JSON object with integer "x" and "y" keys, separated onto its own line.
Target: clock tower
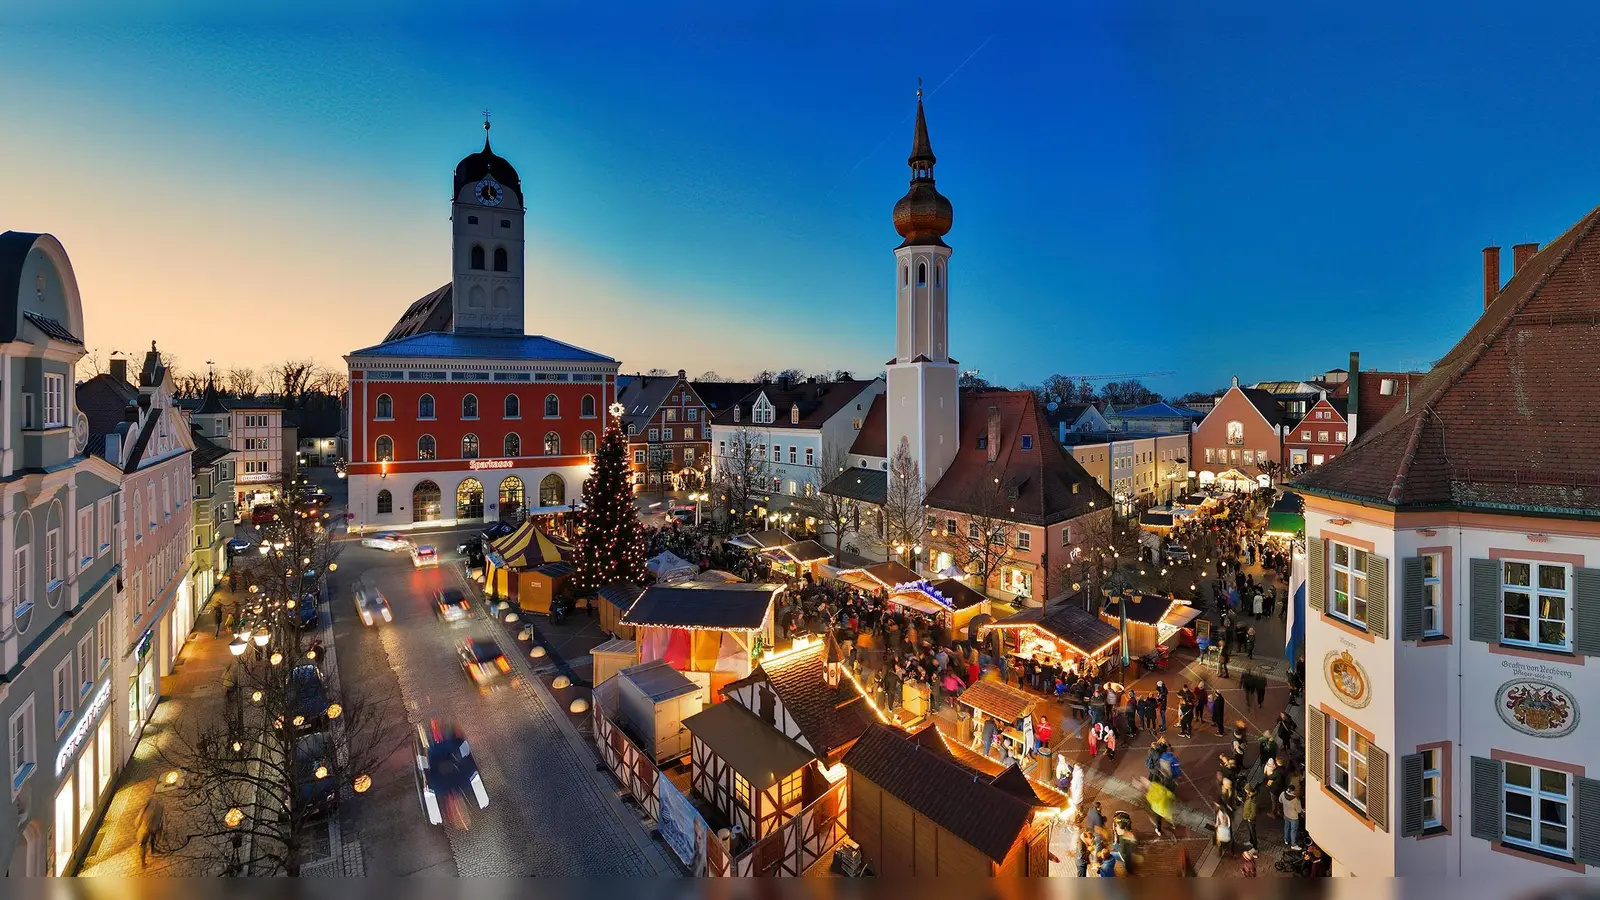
{"x": 486, "y": 221}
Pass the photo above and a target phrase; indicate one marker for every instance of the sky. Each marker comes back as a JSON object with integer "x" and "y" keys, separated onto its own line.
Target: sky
{"x": 1244, "y": 189}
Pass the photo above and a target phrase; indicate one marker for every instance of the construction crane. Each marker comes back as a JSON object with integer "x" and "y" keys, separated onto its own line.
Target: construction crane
{"x": 1118, "y": 377}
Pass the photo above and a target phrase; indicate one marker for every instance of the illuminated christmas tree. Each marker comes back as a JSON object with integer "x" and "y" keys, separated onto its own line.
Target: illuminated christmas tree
{"x": 610, "y": 545}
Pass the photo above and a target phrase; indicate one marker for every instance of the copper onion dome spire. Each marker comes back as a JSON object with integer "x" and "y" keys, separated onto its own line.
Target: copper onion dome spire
{"x": 923, "y": 215}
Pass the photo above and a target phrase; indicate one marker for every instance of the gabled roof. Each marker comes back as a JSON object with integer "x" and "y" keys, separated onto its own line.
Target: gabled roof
{"x": 1162, "y": 410}
{"x": 760, "y": 754}
{"x": 818, "y": 402}
{"x": 923, "y": 775}
{"x": 830, "y": 719}
{"x": 51, "y": 328}
{"x": 1494, "y": 426}
{"x": 104, "y": 399}
{"x": 719, "y": 395}
{"x": 1049, "y": 485}
{"x": 206, "y": 451}
{"x": 1265, "y": 403}
{"x": 873, "y": 438}
{"x": 643, "y": 395}
{"x": 866, "y": 485}
{"x": 449, "y": 345}
{"x": 1066, "y": 620}
{"x": 435, "y": 311}
{"x": 737, "y": 607}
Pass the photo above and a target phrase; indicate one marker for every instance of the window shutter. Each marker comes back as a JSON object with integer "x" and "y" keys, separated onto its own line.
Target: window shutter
{"x": 1316, "y": 744}
{"x": 1378, "y": 786}
{"x": 1378, "y": 595}
{"x": 1316, "y": 573}
{"x": 1487, "y": 794}
{"x": 1588, "y": 846}
{"x": 1586, "y": 612}
{"x": 1485, "y": 601}
{"x": 1411, "y": 599}
{"x": 1410, "y": 794}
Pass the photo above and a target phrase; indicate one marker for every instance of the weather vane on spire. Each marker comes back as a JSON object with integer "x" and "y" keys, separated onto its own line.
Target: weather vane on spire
{"x": 486, "y": 120}
{"x": 919, "y": 87}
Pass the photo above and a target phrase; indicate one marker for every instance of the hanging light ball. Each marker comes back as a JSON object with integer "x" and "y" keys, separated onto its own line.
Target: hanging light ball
{"x": 233, "y": 817}
{"x": 363, "y": 783}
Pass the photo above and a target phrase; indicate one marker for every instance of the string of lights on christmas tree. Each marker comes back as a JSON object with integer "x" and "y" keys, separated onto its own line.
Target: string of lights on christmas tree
{"x": 610, "y": 539}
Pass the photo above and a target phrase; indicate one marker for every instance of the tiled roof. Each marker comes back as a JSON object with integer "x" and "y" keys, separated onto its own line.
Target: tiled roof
{"x": 1067, "y": 621}
{"x": 1374, "y": 403}
{"x": 1494, "y": 424}
{"x": 1050, "y": 485}
{"x": 434, "y": 312}
{"x": 818, "y": 402}
{"x": 103, "y": 399}
{"x": 1265, "y": 403}
{"x": 866, "y": 485}
{"x": 449, "y": 345}
{"x": 923, "y": 775}
{"x": 695, "y": 605}
{"x": 829, "y": 719}
{"x": 873, "y": 438}
{"x": 206, "y": 451}
{"x": 1000, "y": 700}
{"x": 641, "y": 397}
{"x": 719, "y": 395}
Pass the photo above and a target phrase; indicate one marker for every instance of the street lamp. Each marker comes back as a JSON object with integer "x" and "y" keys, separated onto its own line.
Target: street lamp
{"x": 262, "y": 637}
{"x": 237, "y": 646}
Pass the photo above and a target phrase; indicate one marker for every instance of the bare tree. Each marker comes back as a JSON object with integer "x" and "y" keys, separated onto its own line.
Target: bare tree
{"x": 1097, "y": 550}
{"x": 291, "y": 377}
{"x": 333, "y": 381}
{"x": 1273, "y": 469}
{"x": 1131, "y": 392}
{"x": 187, "y": 385}
{"x": 742, "y": 473}
{"x": 242, "y": 381}
{"x": 841, "y": 515}
{"x": 905, "y": 511}
{"x": 658, "y": 468}
{"x": 657, "y": 373}
{"x": 765, "y": 376}
{"x": 972, "y": 381}
{"x": 986, "y": 534}
{"x": 710, "y": 377}
{"x": 793, "y": 376}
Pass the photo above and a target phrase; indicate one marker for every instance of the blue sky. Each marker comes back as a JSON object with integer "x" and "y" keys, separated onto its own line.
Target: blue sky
{"x": 1251, "y": 191}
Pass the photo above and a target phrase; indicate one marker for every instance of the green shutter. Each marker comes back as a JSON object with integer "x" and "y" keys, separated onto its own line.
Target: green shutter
{"x": 1411, "y": 596}
{"x": 1316, "y": 744}
{"x": 1316, "y": 573}
{"x": 1586, "y": 612}
{"x": 1487, "y": 795}
{"x": 1588, "y": 845}
{"x": 1378, "y": 786}
{"x": 1411, "y": 794}
{"x": 1484, "y": 599}
{"x": 1378, "y": 595}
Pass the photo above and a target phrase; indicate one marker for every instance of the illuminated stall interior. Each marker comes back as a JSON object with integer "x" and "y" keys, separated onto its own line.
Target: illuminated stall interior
{"x": 710, "y": 632}
{"x": 1059, "y": 635}
{"x": 1153, "y": 620}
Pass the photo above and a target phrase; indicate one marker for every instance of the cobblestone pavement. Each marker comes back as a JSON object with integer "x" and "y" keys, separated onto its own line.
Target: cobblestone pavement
{"x": 548, "y": 813}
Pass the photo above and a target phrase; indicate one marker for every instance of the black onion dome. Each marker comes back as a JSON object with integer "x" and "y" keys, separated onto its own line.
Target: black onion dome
{"x": 923, "y": 215}
{"x": 472, "y": 169}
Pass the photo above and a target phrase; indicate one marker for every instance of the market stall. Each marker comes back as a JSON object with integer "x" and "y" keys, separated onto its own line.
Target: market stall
{"x": 539, "y": 587}
{"x": 756, "y": 541}
{"x": 1060, "y": 635}
{"x": 1153, "y": 620}
{"x": 713, "y": 631}
{"x": 512, "y": 560}
{"x": 669, "y": 567}
{"x": 950, "y": 601}
{"x": 798, "y": 558}
{"x": 1012, "y": 710}
{"x": 884, "y": 576}
{"x": 611, "y": 602}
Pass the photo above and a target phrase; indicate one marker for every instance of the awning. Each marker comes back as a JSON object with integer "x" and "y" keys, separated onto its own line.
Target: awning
{"x": 999, "y": 700}
{"x": 1180, "y": 616}
{"x": 771, "y": 539}
{"x": 918, "y": 601}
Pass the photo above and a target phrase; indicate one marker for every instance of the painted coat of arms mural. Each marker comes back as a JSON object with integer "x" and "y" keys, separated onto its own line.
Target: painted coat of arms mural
{"x": 1347, "y": 678}
{"x": 1537, "y": 708}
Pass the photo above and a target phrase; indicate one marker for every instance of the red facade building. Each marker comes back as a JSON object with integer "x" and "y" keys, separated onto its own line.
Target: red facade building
{"x": 669, "y": 432}
{"x": 1320, "y": 436}
{"x": 1241, "y": 433}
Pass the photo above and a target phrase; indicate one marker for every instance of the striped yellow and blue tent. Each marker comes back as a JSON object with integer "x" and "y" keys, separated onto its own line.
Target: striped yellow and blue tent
{"x": 518, "y": 560}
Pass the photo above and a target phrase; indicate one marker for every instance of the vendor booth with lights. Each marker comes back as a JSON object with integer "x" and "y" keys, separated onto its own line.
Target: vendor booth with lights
{"x": 611, "y": 602}
{"x": 513, "y": 561}
{"x": 800, "y": 558}
{"x": 1059, "y": 635}
{"x": 951, "y": 602}
{"x": 712, "y": 633}
{"x": 881, "y": 577}
{"x": 1153, "y": 621}
{"x": 1012, "y": 710}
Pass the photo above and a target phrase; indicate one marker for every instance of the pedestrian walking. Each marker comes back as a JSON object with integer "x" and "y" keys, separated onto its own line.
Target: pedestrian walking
{"x": 1161, "y": 707}
{"x": 1250, "y": 639}
{"x": 1185, "y": 717}
{"x": 1218, "y": 711}
{"x": 1224, "y": 827}
{"x": 1222, "y": 661}
{"x": 216, "y": 618}
{"x": 1245, "y": 821}
{"x": 152, "y": 823}
{"x": 1130, "y": 714}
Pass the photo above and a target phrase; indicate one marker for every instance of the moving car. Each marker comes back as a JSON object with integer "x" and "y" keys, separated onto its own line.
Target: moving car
{"x": 238, "y": 545}
{"x": 306, "y": 612}
{"x": 448, "y": 783}
{"x": 315, "y": 785}
{"x": 385, "y": 540}
{"x": 372, "y": 605}
{"x": 424, "y": 555}
{"x": 483, "y": 662}
{"x": 308, "y": 699}
{"x": 452, "y": 605}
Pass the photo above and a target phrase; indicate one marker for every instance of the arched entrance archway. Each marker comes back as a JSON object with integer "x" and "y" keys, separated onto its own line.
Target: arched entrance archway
{"x": 512, "y": 497}
{"x": 425, "y": 502}
{"x": 469, "y": 499}
{"x": 552, "y": 490}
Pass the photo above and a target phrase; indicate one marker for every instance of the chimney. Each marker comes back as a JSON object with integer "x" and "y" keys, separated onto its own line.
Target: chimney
{"x": 1520, "y": 254}
{"x": 130, "y": 413}
{"x": 994, "y": 433}
{"x": 1491, "y": 274}
{"x": 783, "y": 382}
{"x": 119, "y": 369}
{"x": 682, "y": 374}
{"x": 1352, "y": 401}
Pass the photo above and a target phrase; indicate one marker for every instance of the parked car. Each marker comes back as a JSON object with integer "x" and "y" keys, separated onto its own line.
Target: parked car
{"x": 452, "y": 605}
{"x": 306, "y": 612}
{"x": 315, "y": 782}
{"x": 238, "y": 545}
{"x": 371, "y": 605}
{"x": 308, "y": 699}
{"x": 386, "y": 540}
{"x": 448, "y": 782}
{"x": 424, "y": 555}
{"x": 498, "y": 530}
{"x": 483, "y": 662}
{"x": 263, "y": 514}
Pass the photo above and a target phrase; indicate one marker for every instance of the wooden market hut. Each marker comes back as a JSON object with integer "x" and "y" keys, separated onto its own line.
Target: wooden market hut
{"x": 915, "y": 810}
{"x": 884, "y": 576}
{"x": 757, "y": 541}
{"x": 1152, "y": 620}
{"x": 803, "y": 556}
{"x": 952, "y": 602}
{"x": 512, "y": 562}
{"x": 1056, "y": 634}
{"x": 1011, "y": 708}
{"x": 709, "y": 629}
{"x": 611, "y": 602}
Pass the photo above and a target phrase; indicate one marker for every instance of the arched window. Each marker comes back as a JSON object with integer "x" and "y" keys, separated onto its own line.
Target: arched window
{"x": 477, "y": 257}
{"x": 425, "y": 406}
{"x": 922, "y": 274}
{"x": 938, "y": 275}
{"x": 552, "y": 490}
{"x": 905, "y": 274}
{"x": 499, "y": 259}
{"x": 425, "y": 502}
{"x": 586, "y": 407}
{"x": 469, "y": 407}
{"x": 427, "y": 447}
{"x": 385, "y": 502}
{"x": 469, "y": 499}
{"x": 513, "y": 407}
{"x": 511, "y": 496}
{"x": 587, "y": 442}
{"x": 469, "y": 447}
{"x": 552, "y": 444}
{"x": 385, "y": 450}
{"x": 385, "y": 406}
{"x": 513, "y": 445}
{"x": 552, "y": 407}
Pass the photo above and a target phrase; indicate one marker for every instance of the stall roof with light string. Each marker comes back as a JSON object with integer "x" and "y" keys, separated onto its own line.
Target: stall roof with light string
{"x": 771, "y": 539}
{"x": 1082, "y": 631}
{"x": 881, "y": 577}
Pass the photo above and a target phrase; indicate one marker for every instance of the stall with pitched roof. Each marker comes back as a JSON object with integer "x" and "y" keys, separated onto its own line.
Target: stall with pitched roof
{"x": 949, "y": 600}
{"x": 1153, "y": 621}
{"x": 522, "y": 568}
{"x": 881, "y": 577}
{"x": 713, "y": 631}
{"x": 1062, "y": 634}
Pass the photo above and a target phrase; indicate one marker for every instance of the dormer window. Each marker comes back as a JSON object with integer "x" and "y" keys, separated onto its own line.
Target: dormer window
{"x": 736, "y": 412}
{"x": 1386, "y": 388}
{"x": 794, "y": 414}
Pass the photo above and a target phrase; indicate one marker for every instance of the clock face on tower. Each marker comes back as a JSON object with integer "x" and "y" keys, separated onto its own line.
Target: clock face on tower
{"x": 489, "y": 192}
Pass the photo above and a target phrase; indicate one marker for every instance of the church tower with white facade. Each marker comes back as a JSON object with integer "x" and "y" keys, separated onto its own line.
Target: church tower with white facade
{"x": 486, "y": 225}
{"x": 923, "y": 404}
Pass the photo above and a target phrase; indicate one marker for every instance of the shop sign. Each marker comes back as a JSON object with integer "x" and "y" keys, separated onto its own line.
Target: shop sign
{"x": 478, "y": 464}
{"x": 1347, "y": 678}
{"x": 1537, "y": 708}
{"x": 81, "y": 731}
{"x": 142, "y": 649}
